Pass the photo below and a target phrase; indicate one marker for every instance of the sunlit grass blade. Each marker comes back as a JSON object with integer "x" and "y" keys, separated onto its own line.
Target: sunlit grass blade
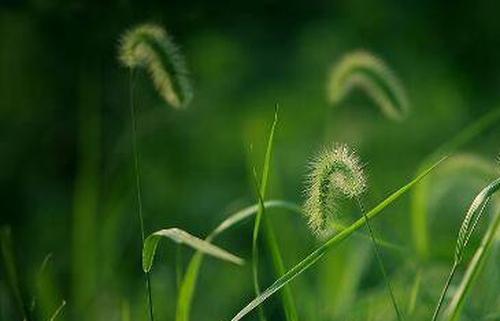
{"x": 361, "y": 69}
{"x": 312, "y": 258}
{"x": 261, "y": 192}
{"x": 473, "y": 270}
{"x": 182, "y": 237}
{"x": 419, "y": 201}
{"x": 11, "y": 270}
{"x": 271, "y": 241}
{"x": 467, "y": 228}
{"x": 38, "y": 279}
{"x": 58, "y": 311}
{"x": 472, "y": 217}
{"x": 415, "y": 289}
{"x": 189, "y": 281}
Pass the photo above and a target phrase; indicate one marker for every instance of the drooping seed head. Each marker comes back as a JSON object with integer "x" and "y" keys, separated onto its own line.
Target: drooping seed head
{"x": 335, "y": 173}
{"x": 149, "y": 46}
{"x": 361, "y": 69}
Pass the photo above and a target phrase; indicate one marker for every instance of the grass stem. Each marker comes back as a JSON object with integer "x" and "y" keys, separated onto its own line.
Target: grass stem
{"x": 445, "y": 289}
{"x": 379, "y": 260}
{"x": 138, "y": 188}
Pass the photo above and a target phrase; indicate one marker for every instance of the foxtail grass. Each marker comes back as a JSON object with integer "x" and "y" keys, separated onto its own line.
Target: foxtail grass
{"x": 362, "y": 70}
{"x": 328, "y": 245}
{"x": 149, "y": 46}
{"x": 337, "y": 173}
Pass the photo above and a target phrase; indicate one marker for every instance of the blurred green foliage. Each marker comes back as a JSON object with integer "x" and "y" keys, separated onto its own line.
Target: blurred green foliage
{"x": 67, "y": 183}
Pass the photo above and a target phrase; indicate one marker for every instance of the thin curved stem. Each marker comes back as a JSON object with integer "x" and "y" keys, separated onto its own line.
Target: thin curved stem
{"x": 379, "y": 260}
{"x": 445, "y": 289}
{"x": 138, "y": 187}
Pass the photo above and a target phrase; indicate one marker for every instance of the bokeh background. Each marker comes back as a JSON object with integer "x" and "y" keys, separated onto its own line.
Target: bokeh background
{"x": 66, "y": 168}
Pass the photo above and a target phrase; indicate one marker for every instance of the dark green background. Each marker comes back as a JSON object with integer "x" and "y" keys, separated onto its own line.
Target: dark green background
{"x": 66, "y": 176}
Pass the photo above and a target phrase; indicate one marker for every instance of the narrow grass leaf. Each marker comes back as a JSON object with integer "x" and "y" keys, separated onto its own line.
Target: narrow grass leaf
{"x": 317, "y": 254}
{"x": 473, "y": 270}
{"x": 419, "y": 212}
{"x": 182, "y": 237}
{"x": 58, "y": 311}
{"x": 472, "y": 217}
{"x": 189, "y": 281}
{"x": 467, "y": 228}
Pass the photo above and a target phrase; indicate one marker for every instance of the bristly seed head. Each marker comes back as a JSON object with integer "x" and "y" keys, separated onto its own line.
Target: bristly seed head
{"x": 150, "y": 46}
{"x": 335, "y": 173}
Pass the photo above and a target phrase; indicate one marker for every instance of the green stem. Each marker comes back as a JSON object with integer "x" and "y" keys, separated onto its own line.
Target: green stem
{"x": 379, "y": 261}
{"x": 138, "y": 189}
{"x": 445, "y": 289}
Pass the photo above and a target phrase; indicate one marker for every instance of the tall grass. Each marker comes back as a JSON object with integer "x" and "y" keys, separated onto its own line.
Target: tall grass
{"x": 469, "y": 224}
{"x": 329, "y": 244}
{"x": 272, "y": 244}
{"x": 150, "y": 47}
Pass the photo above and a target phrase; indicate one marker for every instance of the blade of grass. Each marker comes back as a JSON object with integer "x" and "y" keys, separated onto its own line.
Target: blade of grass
{"x": 261, "y": 192}
{"x": 317, "y": 254}
{"x": 189, "y": 281}
{"x": 38, "y": 280}
{"x": 473, "y": 270}
{"x": 287, "y": 298}
{"x": 272, "y": 244}
{"x": 419, "y": 213}
{"x": 58, "y": 311}
{"x": 467, "y": 228}
{"x": 415, "y": 289}
{"x": 182, "y": 237}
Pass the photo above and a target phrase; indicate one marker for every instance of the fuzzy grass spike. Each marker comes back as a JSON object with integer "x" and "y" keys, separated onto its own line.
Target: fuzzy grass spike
{"x": 335, "y": 173}
{"x": 150, "y": 47}
{"x": 361, "y": 69}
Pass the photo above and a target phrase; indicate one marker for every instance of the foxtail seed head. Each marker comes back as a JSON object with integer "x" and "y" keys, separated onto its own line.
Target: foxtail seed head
{"x": 149, "y": 46}
{"x": 335, "y": 173}
{"x": 361, "y": 69}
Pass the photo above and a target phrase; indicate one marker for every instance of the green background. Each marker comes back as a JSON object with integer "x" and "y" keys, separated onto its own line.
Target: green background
{"x": 66, "y": 168}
